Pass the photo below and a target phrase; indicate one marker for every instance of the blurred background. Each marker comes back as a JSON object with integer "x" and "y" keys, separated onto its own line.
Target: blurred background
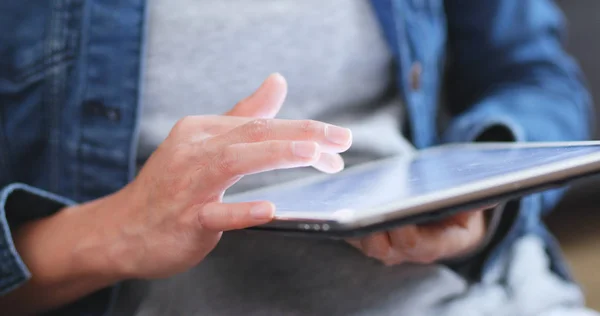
{"x": 576, "y": 222}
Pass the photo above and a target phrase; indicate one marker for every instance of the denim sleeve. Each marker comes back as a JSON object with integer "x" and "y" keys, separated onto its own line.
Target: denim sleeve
{"x": 20, "y": 203}
{"x": 508, "y": 67}
{"x": 524, "y": 79}
{"x": 511, "y": 76}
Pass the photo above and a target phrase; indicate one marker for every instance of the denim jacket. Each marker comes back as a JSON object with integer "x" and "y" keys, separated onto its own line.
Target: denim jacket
{"x": 70, "y": 75}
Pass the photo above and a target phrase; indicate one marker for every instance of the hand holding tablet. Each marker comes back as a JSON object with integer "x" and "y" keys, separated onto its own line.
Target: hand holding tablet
{"x": 454, "y": 236}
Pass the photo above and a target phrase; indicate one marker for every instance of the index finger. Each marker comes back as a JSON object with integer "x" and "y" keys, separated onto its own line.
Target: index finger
{"x": 331, "y": 138}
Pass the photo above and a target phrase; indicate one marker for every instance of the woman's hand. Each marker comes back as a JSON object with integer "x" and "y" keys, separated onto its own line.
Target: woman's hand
{"x": 171, "y": 216}
{"x": 174, "y": 215}
{"x": 455, "y": 236}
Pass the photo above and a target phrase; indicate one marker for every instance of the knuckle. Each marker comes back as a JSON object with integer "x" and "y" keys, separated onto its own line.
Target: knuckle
{"x": 171, "y": 174}
{"x": 234, "y": 219}
{"x": 377, "y": 252}
{"x": 311, "y": 128}
{"x": 278, "y": 149}
{"x": 207, "y": 216}
{"x": 227, "y": 161}
{"x": 427, "y": 258}
{"x": 424, "y": 254}
{"x": 392, "y": 260}
{"x": 223, "y": 217}
{"x": 179, "y": 186}
{"x": 180, "y": 158}
{"x": 201, "y": 217}
{"x": 259, "y": 129}
{"x": 182, "y": 125}
{"x": 226, "y": 215}
{"x": 463, "y": 244}
{"x": 405, "y": 239}
{"x": 373, "y": 253}
{"x": 210, "y": 125}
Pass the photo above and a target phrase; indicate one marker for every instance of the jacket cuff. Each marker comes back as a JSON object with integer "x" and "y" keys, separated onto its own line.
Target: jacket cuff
{"x": 485, "y": 128}
{"x": 561, "y": 119}
{"x": 20, "y": 203}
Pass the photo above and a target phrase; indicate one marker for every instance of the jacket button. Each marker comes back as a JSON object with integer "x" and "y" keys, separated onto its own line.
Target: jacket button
{"x": 415, "y": 76}
{"x": 93, "y": 108}
{"x": 113, "y": 114}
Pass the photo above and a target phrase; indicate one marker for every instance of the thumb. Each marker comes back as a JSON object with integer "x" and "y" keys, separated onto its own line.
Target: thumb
{"x": 231, "y": 216}
{"x": 265, "y": 102}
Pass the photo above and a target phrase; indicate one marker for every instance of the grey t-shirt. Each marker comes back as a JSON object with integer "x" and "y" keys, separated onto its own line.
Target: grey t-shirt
{"x": 205, "y": 55}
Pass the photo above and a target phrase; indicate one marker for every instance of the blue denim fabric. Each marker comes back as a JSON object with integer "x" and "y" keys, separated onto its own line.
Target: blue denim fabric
{"x": 70, "y": 75}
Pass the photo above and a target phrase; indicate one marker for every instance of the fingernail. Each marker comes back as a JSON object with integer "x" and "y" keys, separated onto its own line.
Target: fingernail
{"x": 338, "y": 135}
{"x": 276, "y": 75}
{"x": 305, "y": 149}
{"x": 262, "y": 211}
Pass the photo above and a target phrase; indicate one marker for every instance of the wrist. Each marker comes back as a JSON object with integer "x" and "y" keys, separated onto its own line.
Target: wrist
{"x": 109, "y": 246}
{"x": 61, "y": 270}
{"x": 51, "y": 248}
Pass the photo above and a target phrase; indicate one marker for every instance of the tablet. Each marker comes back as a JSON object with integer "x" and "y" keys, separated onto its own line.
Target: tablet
{"x": 430, "y": 184}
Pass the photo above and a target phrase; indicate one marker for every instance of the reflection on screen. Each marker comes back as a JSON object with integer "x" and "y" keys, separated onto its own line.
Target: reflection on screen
{"x": 401, "y": 178}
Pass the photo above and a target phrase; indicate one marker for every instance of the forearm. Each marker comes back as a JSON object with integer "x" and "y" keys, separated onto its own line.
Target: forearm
{"x": 65, "y": 258}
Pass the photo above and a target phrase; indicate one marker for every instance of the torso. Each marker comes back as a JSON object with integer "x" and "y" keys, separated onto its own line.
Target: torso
{"x": 204, "y": 56}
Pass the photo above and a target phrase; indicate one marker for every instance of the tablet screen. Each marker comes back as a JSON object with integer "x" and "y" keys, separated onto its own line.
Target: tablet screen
{"x": 405, "y": 179}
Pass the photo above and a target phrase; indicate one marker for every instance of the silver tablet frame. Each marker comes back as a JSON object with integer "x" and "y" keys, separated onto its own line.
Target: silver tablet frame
{"x": 497, "y": 186}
